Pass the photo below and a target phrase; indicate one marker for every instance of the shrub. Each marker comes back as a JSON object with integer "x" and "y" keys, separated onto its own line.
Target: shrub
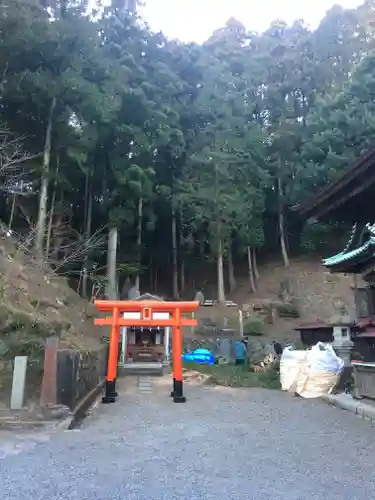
{"x": 254, "y": 327}
{"x": 287, "y": 311}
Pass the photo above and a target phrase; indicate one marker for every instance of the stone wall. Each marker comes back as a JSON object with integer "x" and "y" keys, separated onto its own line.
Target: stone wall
{"x": 79, "y": 373}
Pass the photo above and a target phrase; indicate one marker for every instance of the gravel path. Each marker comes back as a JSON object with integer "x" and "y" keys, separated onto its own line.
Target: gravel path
{"x": 222, "y": 444}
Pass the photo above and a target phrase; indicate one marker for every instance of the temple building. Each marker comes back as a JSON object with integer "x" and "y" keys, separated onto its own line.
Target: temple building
{"x": 349, "y": 199}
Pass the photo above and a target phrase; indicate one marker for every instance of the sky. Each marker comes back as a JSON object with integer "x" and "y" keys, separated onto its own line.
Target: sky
{"x": 195, "y": 20}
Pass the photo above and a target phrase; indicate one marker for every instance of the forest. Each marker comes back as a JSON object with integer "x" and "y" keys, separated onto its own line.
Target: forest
{"x": 129, "y": 157}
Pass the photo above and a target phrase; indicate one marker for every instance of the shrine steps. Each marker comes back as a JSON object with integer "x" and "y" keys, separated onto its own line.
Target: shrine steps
{"x": 142, "y": 369}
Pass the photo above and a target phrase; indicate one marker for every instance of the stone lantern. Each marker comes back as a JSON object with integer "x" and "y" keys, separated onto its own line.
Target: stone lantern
{"x": 342, "y": 342}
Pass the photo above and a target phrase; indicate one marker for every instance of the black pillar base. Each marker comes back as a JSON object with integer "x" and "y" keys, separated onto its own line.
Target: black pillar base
{"x": 174, "y": 388}
{"x": 178, "y": 394}
{"x": 107, "y": 400}
{"x": 179, "y": 399}
{"x": 110, "y": 392}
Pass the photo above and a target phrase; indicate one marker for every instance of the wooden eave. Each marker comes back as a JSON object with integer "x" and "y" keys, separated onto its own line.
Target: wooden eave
{"x": 355, "y": 180}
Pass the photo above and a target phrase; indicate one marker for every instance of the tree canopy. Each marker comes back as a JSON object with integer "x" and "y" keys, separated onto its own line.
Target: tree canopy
{"x": 181, "y": 153}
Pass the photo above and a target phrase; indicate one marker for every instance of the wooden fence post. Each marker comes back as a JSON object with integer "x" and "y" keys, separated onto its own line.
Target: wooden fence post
{"x": 49, "y": 384}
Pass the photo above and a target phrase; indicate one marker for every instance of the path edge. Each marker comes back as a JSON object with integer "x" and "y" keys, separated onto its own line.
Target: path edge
{"x": 348, "y": 403}
{"x": 81, "y": 409}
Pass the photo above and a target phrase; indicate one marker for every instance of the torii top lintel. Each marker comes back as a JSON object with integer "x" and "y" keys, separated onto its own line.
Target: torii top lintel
{"x": 146, "y": 308}
{"x": 135, "y": 306}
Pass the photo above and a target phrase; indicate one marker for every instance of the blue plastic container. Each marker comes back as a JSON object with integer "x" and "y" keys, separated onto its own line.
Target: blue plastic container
{"x": 202, "y": 356}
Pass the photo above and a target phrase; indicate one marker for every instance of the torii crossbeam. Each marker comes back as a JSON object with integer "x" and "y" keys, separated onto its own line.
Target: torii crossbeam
{"x": 146, "y": 309}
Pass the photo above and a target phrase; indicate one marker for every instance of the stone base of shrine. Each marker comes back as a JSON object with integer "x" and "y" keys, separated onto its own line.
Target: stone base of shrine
{"x": 146, "y": 368}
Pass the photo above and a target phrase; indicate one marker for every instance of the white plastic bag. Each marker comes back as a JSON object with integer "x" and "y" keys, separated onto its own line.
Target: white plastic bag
{"x": 319, "y": 372}
{"x": 290, "y": 366}
{"x": 322, "y": 358}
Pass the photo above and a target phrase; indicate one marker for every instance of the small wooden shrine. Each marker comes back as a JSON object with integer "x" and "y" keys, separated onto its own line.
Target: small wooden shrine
{"x": 143, "y": 344}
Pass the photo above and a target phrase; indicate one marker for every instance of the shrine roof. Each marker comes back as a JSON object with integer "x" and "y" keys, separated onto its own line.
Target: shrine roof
{"x": 358, "y": 254}
{"x": 149, "y": 296}
{"x": 348, "y": 197}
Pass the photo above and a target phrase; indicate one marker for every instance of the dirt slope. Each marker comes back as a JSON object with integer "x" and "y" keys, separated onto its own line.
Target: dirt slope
{"x": 319, "y": 292}
{"x": 36, "y": 304}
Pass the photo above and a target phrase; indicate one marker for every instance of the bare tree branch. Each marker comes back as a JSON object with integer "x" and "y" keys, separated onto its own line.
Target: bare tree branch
{"x": 13, "y": 159}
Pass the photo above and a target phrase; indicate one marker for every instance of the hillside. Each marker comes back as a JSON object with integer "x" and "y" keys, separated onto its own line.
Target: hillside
{"x": 36, "y": 304}
{"x": 318, "y": 293}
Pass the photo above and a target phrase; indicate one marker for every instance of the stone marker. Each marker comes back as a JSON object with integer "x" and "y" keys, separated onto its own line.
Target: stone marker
{"x": 18, "y": 385}
{"x": 240, "y": 321}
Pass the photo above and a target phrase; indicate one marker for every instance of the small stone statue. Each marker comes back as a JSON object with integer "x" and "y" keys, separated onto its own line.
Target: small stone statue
{"x": 133, "y": 293}
{"x": 199, "y": 297}
{"x": 125, "y": 289}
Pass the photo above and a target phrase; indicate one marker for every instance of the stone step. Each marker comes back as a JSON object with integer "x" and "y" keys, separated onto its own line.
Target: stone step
{"x": 145, "y": 384}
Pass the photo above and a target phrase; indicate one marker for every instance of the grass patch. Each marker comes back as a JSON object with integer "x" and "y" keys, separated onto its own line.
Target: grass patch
{"x": 237, "y": 375}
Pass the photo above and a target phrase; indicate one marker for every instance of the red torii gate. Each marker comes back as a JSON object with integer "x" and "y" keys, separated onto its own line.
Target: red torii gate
{"x": 146, "y": 308}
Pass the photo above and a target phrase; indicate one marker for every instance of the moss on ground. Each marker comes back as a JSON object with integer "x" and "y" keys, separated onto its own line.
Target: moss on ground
{"x": 237, "y": 375}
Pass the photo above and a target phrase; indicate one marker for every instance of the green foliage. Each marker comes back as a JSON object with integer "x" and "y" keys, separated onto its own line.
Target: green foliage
{"x": 287, "y": 311}
{"x": 222, "y": 137}
{"x": 254, "y": 327}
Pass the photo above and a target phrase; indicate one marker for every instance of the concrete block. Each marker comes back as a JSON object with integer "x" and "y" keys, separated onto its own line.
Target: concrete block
{"x": 344, "y": 401}
{"x": 366, "y": 410}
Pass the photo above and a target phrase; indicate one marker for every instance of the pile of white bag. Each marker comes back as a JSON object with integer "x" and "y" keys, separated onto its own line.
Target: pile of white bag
{"x": 310, "y": 373}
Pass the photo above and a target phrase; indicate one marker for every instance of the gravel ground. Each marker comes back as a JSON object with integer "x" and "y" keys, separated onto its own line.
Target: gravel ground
{"x": 222, "y": 444}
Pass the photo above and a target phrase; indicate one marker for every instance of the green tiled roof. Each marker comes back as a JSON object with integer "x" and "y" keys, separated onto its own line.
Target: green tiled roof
{"x": 367, "y": 249}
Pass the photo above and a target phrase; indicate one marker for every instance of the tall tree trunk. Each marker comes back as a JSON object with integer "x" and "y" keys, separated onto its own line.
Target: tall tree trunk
{"x": 12, "y": 210}
{"x": 151, "y": 273}
{"x": 220, "y": 273}
{"x": 112, "y": 263}
{"x": 174, "y": 256}
{"x": 88, "y": 217}
{"x": 251, "y": 270}
{"x": 281, "y": 222}
{"x": 156, "y": 276}
{"x": 52, "y": 211}
{"x": 201, "y": 246}
{"x": 182, "y": 276}
{"x": 57, "y": 241}
{"x": 182, "y": 262}
{"x": 255, "y": 265}
{"x": 232, "y": 279}
{"x": 139, "y": 240}
{"x": 43, "y": 196}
